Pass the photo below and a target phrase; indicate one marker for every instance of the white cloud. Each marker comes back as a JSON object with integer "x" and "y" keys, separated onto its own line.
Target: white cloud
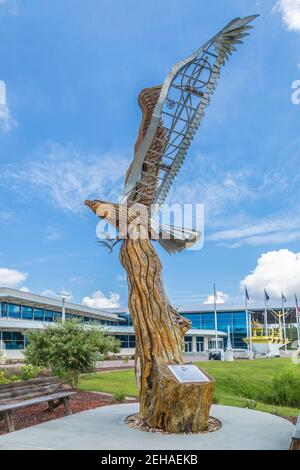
{"x": 67, "y": 177}
{"x": 24, "y": 289}
{"x": 99, "y": 300}
{"x": 290, "y": 10}
{"x": 11, "y": 277}
{"x": 221, "y": 298}
{"x": 280, "y": 228}
{"x": 6, "y": 121}
{"x": 5, "y": 216}
{"x": 276, "y": 271}
{"x": 49, "y": 293}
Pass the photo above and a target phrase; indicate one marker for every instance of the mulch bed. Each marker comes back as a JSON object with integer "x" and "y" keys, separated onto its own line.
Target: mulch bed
{"x": 36, "y": 414}
{"x": 292, "y": 419}
{"x": 134, "y": 421}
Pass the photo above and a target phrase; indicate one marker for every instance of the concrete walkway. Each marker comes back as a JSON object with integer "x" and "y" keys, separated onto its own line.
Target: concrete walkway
{"x": 104, "y": 428}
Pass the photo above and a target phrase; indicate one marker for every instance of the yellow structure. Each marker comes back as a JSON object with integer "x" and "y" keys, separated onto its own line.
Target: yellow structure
{"x": 270, "y": 343}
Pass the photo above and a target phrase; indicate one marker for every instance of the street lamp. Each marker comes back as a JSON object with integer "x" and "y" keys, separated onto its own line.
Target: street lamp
{"x": 64, "y": 296}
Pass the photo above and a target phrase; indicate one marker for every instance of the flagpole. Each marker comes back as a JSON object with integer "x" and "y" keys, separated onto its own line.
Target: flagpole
{"x": 249, "y": 325}
{"x": 283, "y": 317}
{"x": 297, "y": 320}
{"x": 216, "y": 318}
{"x": 298, "y": 330}
{"x": 250, "y": 341}
{"x": 247, "y": 319}
{"x": 266, "y": 316}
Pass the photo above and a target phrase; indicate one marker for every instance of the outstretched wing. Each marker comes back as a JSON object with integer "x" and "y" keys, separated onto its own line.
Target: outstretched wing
{"x": 173, "y": 112}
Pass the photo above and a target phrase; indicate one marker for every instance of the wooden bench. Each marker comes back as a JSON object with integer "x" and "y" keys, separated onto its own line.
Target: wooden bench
{"x": 295, "y": 444}
{"x": 30, "y": 392}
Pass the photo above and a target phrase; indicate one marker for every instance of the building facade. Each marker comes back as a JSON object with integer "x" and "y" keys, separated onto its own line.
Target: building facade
{"x": 22, "y": 311}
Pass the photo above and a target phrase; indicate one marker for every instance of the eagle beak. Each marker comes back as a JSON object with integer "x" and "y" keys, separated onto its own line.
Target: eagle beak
{"x": 92, "y": 204}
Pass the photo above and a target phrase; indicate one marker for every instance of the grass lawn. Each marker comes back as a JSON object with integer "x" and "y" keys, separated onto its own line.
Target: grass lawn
{"x": 236, "y": 381}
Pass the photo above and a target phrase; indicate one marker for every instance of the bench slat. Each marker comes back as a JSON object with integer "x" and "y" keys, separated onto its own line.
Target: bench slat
{"x": 33, "y": 401}
{"x": 28, "y": 383}
{"x": 29, "y": 389}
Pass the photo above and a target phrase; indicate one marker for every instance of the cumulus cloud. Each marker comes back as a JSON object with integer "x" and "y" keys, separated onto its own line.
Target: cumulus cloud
{"x": 11, "y": 277}
{"x": 99, "y": 300}
{"x": 220, "y": 299}
{"x": 276, "y": 271}
{"x": 290, "y": 10}
{"x": 67, "y": 177}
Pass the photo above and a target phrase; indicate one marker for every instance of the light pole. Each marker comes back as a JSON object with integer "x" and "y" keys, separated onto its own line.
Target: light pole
{"x": 64, "y": 296}
{"x": 216, "y": 317}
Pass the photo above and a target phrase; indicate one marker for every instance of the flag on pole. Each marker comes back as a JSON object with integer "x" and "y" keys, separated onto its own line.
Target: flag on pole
{"x": 297, "y": 308}
{"x": 246, "y": 293}
{"x": 267, "y": 297}
{"x": 283, "y": 297}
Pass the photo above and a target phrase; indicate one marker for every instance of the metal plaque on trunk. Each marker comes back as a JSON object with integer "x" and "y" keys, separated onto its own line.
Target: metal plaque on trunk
{"x": 188, "y": 373}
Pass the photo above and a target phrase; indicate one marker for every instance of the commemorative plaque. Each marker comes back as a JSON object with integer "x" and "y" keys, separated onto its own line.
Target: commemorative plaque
{"x": 188, "y": 374}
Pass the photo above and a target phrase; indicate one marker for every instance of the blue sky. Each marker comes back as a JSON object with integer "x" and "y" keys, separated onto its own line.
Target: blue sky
{"x": 73, "y": 71}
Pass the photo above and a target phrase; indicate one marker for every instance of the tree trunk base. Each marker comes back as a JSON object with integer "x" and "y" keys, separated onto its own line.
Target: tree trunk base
{"x": 178, "y": 407}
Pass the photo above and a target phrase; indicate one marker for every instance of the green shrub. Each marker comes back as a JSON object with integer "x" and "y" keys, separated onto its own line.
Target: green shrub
{"x": 2, "y": 357}
{"x": 28, "y": 372}
{"x": 126, "y": 360}
{"x": 3, "y": 378}
{"x": 250, "y": 404}
{"x": 120, "y": 396}
{"x": 6, "y": 378}
{"x": 68, "y": 349}
{"x": 286, "y": 387}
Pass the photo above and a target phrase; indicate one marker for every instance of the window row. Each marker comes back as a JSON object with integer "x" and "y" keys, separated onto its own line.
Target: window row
{"x": 9, "y": 310}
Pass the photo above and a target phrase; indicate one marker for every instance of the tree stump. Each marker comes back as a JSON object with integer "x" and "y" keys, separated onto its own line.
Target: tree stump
{"x": 165, "y": 403}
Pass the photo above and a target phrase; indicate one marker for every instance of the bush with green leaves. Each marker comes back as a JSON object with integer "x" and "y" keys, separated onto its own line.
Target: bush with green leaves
{"x": 120, "y": 397}
{"x": 286, "y": 387}
{"x": 28, "y": 372}
{"x": 69, "y": 349}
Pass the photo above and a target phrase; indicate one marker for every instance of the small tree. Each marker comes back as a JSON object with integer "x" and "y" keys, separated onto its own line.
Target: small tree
{"x": 69, "y": 349}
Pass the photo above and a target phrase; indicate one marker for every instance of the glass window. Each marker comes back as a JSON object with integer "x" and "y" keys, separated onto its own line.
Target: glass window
{"x": 27, "y": 313}
{"x": 39, "y": 314}
{"x": 14, "y": 311}
{"x": 124, "y": 340}
{"x": 3, "y": 309}
{"x": 13, "y": 339}
{"x": 57, "y": 316}
{"x": 49, "y": 315}
{"x": 212, "y": 344}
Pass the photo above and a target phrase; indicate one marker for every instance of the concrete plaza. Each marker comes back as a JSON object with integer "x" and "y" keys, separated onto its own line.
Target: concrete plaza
{"x": 104, "y": 429}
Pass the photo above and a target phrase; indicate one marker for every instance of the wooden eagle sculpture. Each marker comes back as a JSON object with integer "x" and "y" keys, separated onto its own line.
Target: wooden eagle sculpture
{"x": 171, "y": 115}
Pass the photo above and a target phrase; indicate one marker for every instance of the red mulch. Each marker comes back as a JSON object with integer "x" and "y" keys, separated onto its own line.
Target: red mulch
{"x": 36, "y": 414}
